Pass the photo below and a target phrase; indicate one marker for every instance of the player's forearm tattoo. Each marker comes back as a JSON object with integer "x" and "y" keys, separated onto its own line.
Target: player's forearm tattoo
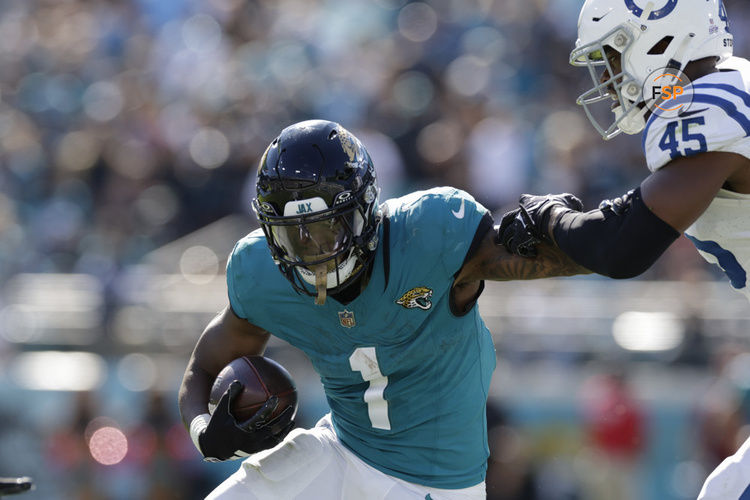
{"x": 550, "y": 262}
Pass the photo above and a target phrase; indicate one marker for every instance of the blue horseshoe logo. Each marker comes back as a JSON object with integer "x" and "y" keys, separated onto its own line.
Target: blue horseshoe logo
{"x": 657, "y": 14}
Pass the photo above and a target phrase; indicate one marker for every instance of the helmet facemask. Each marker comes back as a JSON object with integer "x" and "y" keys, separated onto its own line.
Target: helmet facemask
{"x": 322, "y": 248}
{"x": 328, "y": 248}
{"x": 629, "y": 110}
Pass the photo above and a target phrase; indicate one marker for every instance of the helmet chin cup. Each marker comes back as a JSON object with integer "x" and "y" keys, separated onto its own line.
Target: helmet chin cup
{"x": 340, "y": 273}
{"x": 633, "y": 122}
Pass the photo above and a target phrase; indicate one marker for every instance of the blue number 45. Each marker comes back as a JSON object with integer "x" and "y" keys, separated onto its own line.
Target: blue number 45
{"x": 670, "y": 143}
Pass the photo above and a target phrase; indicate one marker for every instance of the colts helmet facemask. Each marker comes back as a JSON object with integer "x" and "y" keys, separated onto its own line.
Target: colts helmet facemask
{"x": 317, "y": 202}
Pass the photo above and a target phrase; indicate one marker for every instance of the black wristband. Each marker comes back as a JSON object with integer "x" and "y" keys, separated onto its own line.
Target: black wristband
{"x": 618, "y": 245}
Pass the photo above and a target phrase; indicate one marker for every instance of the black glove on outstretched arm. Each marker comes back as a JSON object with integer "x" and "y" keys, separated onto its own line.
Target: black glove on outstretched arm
{"x": 226, "y": 439}
{"x": 516, "y": 234}
{"x": 523, "y": 228}
{"x": 621, "y": 239}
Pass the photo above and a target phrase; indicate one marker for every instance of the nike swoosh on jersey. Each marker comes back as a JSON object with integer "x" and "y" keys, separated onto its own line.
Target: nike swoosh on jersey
{"x": 683, "y": 114}
{"x": 460, "y": 213}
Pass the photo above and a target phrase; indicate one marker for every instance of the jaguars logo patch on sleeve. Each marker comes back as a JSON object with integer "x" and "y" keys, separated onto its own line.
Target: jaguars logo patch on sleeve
{"x": 416, "y": 298}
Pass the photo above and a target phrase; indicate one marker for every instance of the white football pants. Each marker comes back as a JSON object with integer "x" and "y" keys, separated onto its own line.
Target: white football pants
{"x": 312, "y": 464}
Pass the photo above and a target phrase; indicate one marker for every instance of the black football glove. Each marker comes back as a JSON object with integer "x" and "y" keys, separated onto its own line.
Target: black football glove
{"x": 227, "y": 439}
{"x": 516, "y": 234}
{"x": 523, "y": 228}
{"x": 619, "y": 205}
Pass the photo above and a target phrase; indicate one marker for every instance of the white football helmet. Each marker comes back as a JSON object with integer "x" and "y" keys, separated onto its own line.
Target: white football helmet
{"x": 688, "y": 29}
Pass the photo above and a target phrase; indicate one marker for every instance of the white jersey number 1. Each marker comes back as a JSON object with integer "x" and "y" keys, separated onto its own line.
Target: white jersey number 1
{"x": 365, "y": 361}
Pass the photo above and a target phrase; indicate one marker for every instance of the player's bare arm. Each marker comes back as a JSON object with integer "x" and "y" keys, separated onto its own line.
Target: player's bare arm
{"x": 225, "y": 338}
{"x": 494, "y": 262}
{"x": 680, "y": 192}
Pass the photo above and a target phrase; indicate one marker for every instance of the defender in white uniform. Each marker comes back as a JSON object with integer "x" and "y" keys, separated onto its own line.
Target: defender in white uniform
{"x": 717, "y": 120}
{"x": 697, "y": 147}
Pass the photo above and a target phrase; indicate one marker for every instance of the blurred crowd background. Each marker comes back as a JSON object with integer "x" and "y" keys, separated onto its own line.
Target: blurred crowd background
{"x": 129, "y": 136}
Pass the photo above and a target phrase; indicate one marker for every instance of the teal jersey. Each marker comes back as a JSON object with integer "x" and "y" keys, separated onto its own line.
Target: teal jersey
{"x": 406, "y": 378}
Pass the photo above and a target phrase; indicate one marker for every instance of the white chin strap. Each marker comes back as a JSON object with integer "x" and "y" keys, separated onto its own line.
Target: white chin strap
{"x": 633, "y": 122}
{"x": 322, "y": 280}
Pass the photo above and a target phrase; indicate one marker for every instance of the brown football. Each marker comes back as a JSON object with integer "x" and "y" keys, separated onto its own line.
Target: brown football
{"x": 261, "y": 378}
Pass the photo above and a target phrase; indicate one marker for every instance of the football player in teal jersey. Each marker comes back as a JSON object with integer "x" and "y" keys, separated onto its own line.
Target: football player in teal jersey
{"x": 381, "y": 297}
{"x": 697, "y": 147}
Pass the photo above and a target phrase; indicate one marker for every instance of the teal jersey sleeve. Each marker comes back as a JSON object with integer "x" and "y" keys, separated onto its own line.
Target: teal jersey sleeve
{"x": 445, "y": 220}
{"x": 234, "y": 302}
{"x": 246, "y": 266}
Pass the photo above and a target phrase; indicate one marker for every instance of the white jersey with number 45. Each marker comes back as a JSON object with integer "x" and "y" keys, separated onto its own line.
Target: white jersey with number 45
{"x": 717, "y": 120}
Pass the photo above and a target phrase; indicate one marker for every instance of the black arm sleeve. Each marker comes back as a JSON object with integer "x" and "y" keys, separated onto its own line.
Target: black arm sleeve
{"x": 618, "y": 245}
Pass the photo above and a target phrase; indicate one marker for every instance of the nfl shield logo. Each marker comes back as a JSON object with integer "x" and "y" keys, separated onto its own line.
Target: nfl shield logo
{"x": 346, "y": 318}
